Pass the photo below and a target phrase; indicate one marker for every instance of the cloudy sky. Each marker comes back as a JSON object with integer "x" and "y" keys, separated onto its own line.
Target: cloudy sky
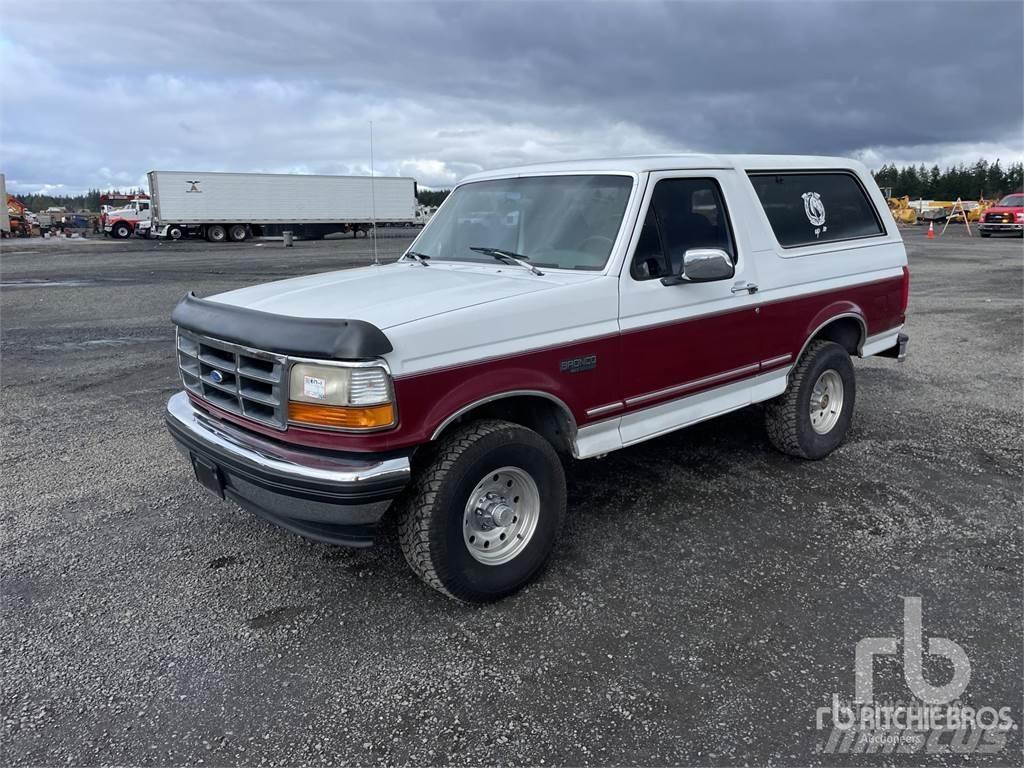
{"x": 97, "y": 93}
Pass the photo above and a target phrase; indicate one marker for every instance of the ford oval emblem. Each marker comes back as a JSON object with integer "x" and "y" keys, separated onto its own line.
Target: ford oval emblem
{"x": 216, "y": 377}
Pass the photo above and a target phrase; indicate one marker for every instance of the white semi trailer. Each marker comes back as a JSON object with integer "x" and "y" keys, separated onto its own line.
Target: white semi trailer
{"x": 236, "y": 206}
{"x": 5, "y": 219}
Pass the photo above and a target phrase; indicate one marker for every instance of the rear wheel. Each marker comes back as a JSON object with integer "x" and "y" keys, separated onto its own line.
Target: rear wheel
{"x": 483, "y": 516}
{"x": 237, "y": 233}
{"x": 811, "y": 418}
{"x": 216, "y": 233}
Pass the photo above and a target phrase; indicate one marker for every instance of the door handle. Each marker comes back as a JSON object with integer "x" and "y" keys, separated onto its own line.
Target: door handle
{"x": 748, "y": 287}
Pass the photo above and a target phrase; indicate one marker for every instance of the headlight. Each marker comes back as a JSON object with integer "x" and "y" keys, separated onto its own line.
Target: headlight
{"x": 341, "y": 397}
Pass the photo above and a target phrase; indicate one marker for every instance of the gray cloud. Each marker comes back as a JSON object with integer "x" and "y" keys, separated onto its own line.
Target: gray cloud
{"x": 101, "y": 96}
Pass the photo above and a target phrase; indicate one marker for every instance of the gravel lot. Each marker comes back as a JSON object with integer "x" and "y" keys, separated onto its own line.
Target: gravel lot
{"x": 706, "y": 598}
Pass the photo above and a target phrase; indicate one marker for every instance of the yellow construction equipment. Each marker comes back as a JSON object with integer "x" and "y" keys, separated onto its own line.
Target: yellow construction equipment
{"x": 901, "y": 210}
{"x": 974, "y": 213}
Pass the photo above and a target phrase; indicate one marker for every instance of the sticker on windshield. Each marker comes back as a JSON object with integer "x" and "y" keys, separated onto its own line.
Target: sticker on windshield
{"x": 815, "y": 211}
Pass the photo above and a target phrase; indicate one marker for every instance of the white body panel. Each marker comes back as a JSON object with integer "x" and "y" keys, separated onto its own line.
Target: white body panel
{"x": 194, "y": 197}
{"x": 448, "y": 314}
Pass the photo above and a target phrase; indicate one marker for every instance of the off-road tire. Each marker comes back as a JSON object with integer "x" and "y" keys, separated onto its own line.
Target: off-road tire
{"x": 237, "y": 233}
{"x": 216, "y": 233}
{"x": 430, "y": 515}
{"x": 787, "y": 417}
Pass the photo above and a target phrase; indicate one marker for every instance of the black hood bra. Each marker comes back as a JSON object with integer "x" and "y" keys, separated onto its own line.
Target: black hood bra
{"x": 321, "y": 338}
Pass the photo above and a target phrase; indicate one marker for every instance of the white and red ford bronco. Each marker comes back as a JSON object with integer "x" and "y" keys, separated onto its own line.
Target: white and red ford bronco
{"x": 560, "y": 309}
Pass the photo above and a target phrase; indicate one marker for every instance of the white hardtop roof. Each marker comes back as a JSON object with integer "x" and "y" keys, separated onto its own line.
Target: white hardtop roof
{"x": 647, "y": 163}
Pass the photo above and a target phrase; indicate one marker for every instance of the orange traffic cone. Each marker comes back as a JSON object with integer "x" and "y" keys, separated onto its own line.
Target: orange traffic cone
{"x": 931, "y": 230}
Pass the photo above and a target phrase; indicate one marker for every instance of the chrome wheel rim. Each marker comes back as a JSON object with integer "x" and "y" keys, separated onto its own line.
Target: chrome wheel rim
{"x": 501, "y": 516}
{"x": 826, "y": 402}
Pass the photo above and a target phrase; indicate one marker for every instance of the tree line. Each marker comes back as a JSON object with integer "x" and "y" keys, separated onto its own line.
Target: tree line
{"x": 981, "y": 180}
{"x": 431, "y": 197}
{"x": 90, "y": 201}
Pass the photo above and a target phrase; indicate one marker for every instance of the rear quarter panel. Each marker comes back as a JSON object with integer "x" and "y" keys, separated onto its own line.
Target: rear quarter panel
{"x": 804, "y": 287}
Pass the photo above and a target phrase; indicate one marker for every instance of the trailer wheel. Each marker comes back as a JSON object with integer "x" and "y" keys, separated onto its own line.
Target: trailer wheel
{"x": 174, "y": 232}
{"x": 216, "y": 233}
{"x": 238, "y": 233}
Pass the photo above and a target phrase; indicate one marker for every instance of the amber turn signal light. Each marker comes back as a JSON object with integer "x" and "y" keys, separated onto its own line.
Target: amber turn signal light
{"x": 342, "y": 417}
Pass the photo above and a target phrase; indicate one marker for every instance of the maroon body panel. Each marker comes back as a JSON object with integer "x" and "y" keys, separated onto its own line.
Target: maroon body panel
{"x": 663, "y": 356}
{"x": 785, "y": 325}
{"x": 638, "y": 364}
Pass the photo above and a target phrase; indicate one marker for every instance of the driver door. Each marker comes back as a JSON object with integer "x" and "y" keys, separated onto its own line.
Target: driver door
{"x": 683, "y": 345}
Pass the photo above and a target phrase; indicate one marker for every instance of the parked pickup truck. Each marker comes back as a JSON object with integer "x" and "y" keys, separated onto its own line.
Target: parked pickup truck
{"x": 548, "y": 311}
{"x": 1005, "y": 216}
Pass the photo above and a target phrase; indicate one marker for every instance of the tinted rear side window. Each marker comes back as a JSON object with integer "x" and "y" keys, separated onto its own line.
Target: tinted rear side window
{"x": 807, "y": 208}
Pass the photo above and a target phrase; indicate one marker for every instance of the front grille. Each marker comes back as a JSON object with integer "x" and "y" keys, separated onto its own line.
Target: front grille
{"x": 998, "y": 218}
{"x": 249, "y": 382}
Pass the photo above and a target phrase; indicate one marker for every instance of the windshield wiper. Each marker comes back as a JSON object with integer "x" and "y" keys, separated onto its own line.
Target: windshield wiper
{"x": 422, "y": 258}
{"x": 508, "y": 257}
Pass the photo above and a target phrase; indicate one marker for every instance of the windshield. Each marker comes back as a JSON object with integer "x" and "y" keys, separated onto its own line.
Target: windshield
{"x": 1012, "y": 201}
{"x": 561, "y": 222}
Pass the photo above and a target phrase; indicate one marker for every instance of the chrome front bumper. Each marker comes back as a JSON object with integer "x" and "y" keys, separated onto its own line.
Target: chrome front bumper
{"x": 333, "y": 497}
{"x": 992, "y": 226}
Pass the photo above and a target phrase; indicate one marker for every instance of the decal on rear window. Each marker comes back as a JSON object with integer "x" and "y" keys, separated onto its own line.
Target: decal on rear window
{"x": 815, "y": 212}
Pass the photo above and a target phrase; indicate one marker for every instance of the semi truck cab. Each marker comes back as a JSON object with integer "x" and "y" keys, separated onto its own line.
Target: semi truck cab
{"x": 121, "y": 222}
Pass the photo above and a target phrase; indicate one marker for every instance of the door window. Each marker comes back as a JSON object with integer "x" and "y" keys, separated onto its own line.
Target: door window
{"x": 683, "y": 214}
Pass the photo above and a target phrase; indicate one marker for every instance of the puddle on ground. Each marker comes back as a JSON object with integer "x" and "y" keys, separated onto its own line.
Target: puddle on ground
{"x": 117, "y": 341}
{"x": 35, "y": 282}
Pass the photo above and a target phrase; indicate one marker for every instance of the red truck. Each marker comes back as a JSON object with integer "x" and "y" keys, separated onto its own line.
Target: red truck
{"x": 1005, "y": 216}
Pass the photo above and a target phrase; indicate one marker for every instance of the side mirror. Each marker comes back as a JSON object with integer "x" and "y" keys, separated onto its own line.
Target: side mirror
{"x": 703, "y": 265}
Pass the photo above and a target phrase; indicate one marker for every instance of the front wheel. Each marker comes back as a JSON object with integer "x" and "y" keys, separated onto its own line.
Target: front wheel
{"x": 484, "y": 515}
{"x": 122, "y": 231}
{"x": 810, "y": 419}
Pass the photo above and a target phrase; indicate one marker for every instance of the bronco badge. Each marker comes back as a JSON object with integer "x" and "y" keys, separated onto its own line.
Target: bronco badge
{"x": 578, "y": 364}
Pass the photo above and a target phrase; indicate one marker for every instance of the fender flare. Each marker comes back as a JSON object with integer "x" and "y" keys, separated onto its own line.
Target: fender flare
{"x": 837, "y": 311}
{"x": 566, "y": 411}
